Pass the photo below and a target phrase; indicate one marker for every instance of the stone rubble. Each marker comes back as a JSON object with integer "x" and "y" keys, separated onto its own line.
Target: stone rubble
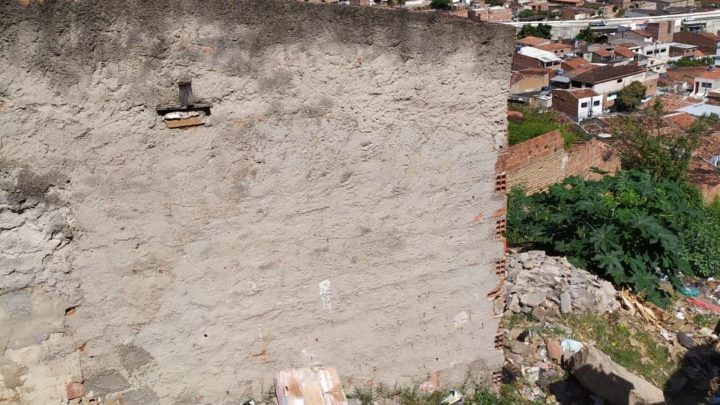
{"x": 542, "y": 285}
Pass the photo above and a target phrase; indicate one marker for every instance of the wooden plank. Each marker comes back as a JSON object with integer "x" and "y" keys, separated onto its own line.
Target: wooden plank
{"x": 162, "y": 108}
{"x": 305, "y": 386}
{"x": 184, "y": 122}
{"x": 186, "y": 94}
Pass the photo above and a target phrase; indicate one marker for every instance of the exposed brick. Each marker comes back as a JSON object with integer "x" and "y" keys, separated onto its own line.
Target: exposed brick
{"x": 74, "y": 390}
{"x": 542, "y": 161}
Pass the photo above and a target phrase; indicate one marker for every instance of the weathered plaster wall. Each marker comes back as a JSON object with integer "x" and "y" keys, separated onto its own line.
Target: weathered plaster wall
{"x": 336, "y": 210}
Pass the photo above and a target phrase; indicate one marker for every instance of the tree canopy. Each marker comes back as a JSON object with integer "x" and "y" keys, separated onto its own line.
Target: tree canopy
{"x": 540, "y": 31}
{"x": 440, "y": 4}
{"x": 629, "y": 98}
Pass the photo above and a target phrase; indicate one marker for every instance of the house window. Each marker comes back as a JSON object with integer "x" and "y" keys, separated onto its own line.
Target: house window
{"x": 619, "y": 80}
{"x": 583, "y": 105}
{"x": 706, "y": 85}
{"x": 596, "y": 103}
{"x": 648, "y": 53}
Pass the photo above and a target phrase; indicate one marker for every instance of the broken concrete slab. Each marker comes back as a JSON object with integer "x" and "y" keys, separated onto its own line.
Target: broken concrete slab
{"x": 611, "y": 381}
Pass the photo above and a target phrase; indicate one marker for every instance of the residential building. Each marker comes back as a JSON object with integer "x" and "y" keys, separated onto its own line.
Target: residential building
{"x": 622, "y": 4}
{"x": 491, "y": 14}
{"x": 680, "y": 51}
{"x": 529, "y": 80}
{"x": 532, "y": 41}
{"x": 661, "y": 31}
{"x": 578, "y": 104}
{"x": 706, "y": 82}
{"x": 637, "y": 36}
{"x": 574, "y": 63}
{"x": 529, "y": 57}
{"x": 537, "y": 6}
{"x": 705, "y": 41}
{"x": 609, "y": 80}
{"x": 563, "y": 3}
{"x": 576, "y": 13}
{"x": 557, "y": 48}
{"x": 611, "y": 55}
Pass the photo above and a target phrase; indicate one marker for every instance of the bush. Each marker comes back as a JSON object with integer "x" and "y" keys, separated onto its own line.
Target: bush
{"x": 687, "y": 62}
{"x": 629, "y": 98}
{"x": 440, "y": 4}
{"x": 535, "y": 124}
{"x": 540, "y": 31}
{"x": 647, "y": 147}
{"x": 632, "y": 229}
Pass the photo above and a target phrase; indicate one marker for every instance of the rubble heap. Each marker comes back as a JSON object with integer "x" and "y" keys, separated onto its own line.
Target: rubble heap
{"x": 546, "y": 285}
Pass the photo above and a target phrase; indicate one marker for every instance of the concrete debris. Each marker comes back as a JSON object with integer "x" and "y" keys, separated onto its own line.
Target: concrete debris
{"x": 454, "y": 397}
{"x": 537, "y": 280}
{"x": 570, "y": 346}
{"x": 611, "y": 381}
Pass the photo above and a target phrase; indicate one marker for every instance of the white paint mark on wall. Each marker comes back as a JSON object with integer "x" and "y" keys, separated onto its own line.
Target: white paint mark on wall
{"x": 325, "y": 294}
{"x": 461, "y": 319}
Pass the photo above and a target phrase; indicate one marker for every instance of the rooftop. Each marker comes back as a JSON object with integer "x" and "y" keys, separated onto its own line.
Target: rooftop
{"x": 681, "y": 120}
{"x": 700, "y": 110}
{"x": 581, "y": 93}
{"x": 643, "y": 33}
{"x": 532, "y": 41}
{"x": 603, "y": 52}
{"x": 553, "y": 46}
{"x": 710, "y": 74}
{"x": 539, "y": 54}
{"x": 624, "y": 52}
{"x": 575, "y": 63}
{"x": 604, "y": 73}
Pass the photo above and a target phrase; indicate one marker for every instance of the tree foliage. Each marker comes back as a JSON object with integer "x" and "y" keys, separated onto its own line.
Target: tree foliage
{"x": 629, "y": 98}
{"x": 649, "y": 145}
{"x": 440, "y": 4}
{"x": 540, "y": 31}
{"x": 587, "y": 35}
{"x": 689, "y": 62}
{"x": 632, "y": 229}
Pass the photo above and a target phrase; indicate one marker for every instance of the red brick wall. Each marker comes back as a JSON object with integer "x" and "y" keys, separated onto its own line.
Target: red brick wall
{"x": 536, "y": 163}
{"x": 594, "y": 153}
{"x": 542, "y": 161}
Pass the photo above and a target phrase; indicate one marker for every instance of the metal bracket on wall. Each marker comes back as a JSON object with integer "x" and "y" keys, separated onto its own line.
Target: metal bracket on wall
{"x": 188, "y": 112}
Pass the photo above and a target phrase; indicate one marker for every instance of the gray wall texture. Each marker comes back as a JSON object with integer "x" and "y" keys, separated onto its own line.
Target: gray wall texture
{"x": 337, "y": 208}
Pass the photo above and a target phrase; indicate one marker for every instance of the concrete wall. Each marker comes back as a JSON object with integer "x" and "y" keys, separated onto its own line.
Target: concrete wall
{"x": 336, "y": 208}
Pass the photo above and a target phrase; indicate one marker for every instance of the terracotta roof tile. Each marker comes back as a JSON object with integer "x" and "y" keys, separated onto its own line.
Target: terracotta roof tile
{"x": 643, "y": 33}
{"x": 624, "y": 52}
{"x": 603, "y": 52}
{"x": 532, "y": 41}
{"x": 671, "y": 102}
{"x": 681, "y": 120}
{"x": 604, "y": 73}
{"x": 581, "y": 93}
{"x": 710, "y": 74}
{"x": 554, "y": 46}
{"x": 574, "y": 63}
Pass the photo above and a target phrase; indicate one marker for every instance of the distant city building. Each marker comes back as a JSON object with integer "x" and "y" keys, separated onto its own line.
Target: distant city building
{"x": 491, "y": 14}
{"x": 529, "y": 80}
{"x": 528, "y": 57}
{"x": 706, "y": 82}
{"x": 705, "y": 41}
{"x": 576, "y": 3}
{"x": 578, "y": 104}
{"x": 661, "y": 31}
{"x": 609, "y": 80}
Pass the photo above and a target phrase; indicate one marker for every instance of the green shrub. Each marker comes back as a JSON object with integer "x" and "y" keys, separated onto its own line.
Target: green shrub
{"x": 632, "y": 229}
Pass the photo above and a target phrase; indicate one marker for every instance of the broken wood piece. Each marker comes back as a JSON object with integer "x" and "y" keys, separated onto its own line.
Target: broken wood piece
{"x": 184, "y": 122}
{"x": 305, "y": 386}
